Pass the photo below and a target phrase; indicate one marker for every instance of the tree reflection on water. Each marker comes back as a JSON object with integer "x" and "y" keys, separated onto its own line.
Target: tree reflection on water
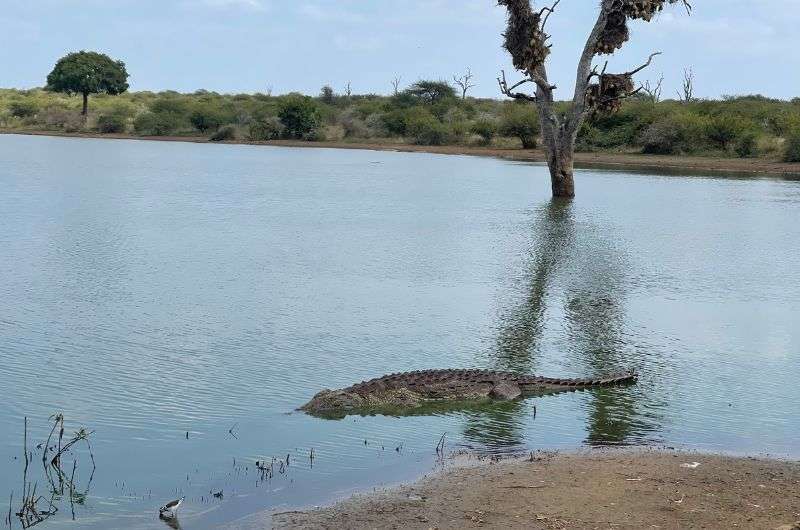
{"x": 579, "y": 272}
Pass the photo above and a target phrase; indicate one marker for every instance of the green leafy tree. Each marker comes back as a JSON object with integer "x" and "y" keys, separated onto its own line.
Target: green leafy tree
{"x": 88, "y": 73}
{"x": 521, "y": 121}
{"x": 299, "y": 115}
{"x": 206, "y": 118}
{"x": 431, "y": 91}
{"x": 327, "y": 95}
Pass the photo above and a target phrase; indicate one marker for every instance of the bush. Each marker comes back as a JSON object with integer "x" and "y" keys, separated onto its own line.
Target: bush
{"x": 747, "y": 145}
{"x": 674, "y": 134}
{"x": 353, "y": 126}
{"x": 485, "y": 128}
{"x": 374, "y": 123}
{"x": 55, "y": 117}
{"x": 23, "y": 108}
{"x": 264, "y": 129}
{"x": 205, "y": 118}
{"x": 521, "y": 121}
{"x": 111, "y": 123}
{"x": 395, "y": 122}
{"x": 157, "y": 123}
{"x": 299, "y": 115}
{"x": 227, "y": 132}
{"x": 170, "y": 104}
{"x": 724, "y": 129}
{"x": 791, "y": 151}
{"x": 425, "y": 129}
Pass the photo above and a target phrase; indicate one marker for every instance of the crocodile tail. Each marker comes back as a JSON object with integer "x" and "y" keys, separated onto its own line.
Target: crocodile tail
{"x": 551, "y": 382}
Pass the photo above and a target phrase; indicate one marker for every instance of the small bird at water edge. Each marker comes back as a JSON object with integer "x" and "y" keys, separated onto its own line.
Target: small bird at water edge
{"x": 171, "y": 508}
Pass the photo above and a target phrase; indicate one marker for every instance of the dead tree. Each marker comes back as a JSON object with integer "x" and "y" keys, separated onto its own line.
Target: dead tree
{"x": 348, "y": 90}
{"x": 396, "y": 85}
{"x": 686, "y": 93}
{"x": 653, "y": 92}
{"x": 595, "y": 91}
{"x": 464, "y": 82}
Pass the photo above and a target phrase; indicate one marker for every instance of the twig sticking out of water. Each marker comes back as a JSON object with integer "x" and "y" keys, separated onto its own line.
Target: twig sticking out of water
{"x": 10, "y": 503}
{"x": 232, "y": 429}
{"x": 440, "y": 445}
{"x": 311, "y": 457}
{"x": 30, "y": 513}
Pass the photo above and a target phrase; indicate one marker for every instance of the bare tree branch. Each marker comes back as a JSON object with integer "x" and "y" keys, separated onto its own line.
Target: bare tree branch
{"x": 653, "y": 91}
{"x": 396, "y": 85}
{"x": 645, "y": 65}
{"x": 549, "y": 11}
{"x": 508, "y": 91}
{"x": 686, "y": 94}
{"x": 464, "y": 82}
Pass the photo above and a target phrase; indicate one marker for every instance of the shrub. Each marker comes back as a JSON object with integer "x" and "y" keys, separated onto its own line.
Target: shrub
{"x": 425, "y": 129}
{"x": 520, "y": 121}
{"x": 353, "y": 125}
{"x": 170, "y": 104}
{"x": 55, "y": 117}
{"x": 299, "y": 115}
{"x": 227, "y": 132}
{"x": 675, "y": 133}
{"x": 375, "y": 126}
{"x": 485, "y": 128}
{"x": 395, "y": 122}
{"x": 157, "y": 123}
{"x": 333, "y": 132}
{"x": 264, "y": 129}
{"x": 724, "y": 129}
{"x": 315, "y": 135}
{"x": 111, "y": 123}
{"x": 23, "y": 108}
{"x": 205, "y": 118}
{"x": 791, "y": 151}
{"x": 747, "y": 145}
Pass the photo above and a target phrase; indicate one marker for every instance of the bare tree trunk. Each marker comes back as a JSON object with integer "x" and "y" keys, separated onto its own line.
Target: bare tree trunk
{"x": 85, "y": 111}
{"x": 560, "y": 163}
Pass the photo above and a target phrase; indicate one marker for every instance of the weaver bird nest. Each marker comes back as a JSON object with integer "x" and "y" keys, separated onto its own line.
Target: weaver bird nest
{"x": 607, "y": 94}
{"x": 524, "y": 37}
{"x": 616, "y": 32}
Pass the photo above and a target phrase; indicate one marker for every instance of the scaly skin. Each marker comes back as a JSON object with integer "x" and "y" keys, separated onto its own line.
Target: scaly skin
{"x": 414, "y": 389}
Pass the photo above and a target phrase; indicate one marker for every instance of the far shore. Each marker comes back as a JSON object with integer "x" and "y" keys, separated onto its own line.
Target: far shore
{"x": 621, "y": 489}
{"x": 632, "y": 161}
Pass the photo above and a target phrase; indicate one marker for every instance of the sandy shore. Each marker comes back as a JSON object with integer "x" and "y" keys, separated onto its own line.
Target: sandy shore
{"x": 689, "y": 164}
{"x": 601, "y": 489}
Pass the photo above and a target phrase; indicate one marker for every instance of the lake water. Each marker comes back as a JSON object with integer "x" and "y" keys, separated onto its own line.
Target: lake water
{"x": 152, "y": 289}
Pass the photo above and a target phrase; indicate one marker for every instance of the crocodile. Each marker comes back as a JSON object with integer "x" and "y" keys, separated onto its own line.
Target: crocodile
{"x": 415, "y": 389}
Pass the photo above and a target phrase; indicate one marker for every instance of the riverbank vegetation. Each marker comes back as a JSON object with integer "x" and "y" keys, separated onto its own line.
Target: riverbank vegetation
{"x": 425, "y": 113}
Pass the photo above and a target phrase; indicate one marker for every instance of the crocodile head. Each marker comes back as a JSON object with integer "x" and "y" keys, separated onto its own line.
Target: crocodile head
{"x": 335, "y": 401}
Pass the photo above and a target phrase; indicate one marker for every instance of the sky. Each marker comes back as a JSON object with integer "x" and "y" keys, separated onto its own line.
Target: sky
{"x": 230, "y": 46}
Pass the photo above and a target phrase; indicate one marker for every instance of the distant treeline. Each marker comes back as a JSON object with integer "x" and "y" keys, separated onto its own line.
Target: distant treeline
{"x": 427, "y": 113}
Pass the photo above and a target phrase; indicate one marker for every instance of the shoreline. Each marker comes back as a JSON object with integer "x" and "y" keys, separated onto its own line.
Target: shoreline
{"x": 607, "y": 488}
{"x": 605, "y": 160}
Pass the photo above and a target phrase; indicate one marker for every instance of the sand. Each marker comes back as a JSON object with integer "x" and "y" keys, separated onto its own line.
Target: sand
{"x": 600, "y": 489}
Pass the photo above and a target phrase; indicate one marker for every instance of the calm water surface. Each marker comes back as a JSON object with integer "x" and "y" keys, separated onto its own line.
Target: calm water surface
{"x": 152, "y": 289}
